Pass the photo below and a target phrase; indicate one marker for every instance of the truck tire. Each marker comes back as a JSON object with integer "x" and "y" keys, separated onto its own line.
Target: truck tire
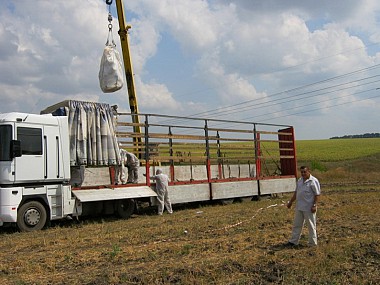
{"x": 31, "y": 216}
{"x": 125, "y": 208}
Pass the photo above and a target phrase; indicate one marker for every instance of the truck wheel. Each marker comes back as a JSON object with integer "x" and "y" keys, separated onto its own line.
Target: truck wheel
{"x": 125, "y": 208}
{"x": 31, "y": 216}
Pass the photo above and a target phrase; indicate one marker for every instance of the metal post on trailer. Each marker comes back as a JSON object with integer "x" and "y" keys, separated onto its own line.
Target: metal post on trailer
{"x": 147, "y": 154}
{"x": 219, "y": 156}
{"x": 256, "y": 137}
{"x": 112, "y": 173}
{"x": 223, "y": 159}
{"x": 171, "y": 154}
{"x": 208, "y": 164}
{"x": 191, "y": 167}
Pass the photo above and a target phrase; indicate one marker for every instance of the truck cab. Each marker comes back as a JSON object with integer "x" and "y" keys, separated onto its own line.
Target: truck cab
{"x": 33, "y": 149}
{"x": 34, "y": 167}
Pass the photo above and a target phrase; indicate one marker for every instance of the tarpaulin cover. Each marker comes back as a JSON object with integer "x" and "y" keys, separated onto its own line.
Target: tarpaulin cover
{"x": 92, "y": 132}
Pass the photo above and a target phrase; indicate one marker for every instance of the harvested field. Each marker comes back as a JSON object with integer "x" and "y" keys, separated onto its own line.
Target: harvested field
{"x": 240, "y": 243}
{"x": 233, "y": 244}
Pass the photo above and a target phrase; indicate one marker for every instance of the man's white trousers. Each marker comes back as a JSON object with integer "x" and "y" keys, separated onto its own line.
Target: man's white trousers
{"x": 300, "y": 218}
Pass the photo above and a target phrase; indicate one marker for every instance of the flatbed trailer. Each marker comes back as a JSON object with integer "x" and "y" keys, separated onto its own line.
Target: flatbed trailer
{"x": 62, "y": 163}
{"x": 207, "y": 159}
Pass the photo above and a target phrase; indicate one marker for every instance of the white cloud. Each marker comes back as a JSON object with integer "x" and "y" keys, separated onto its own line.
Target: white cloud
{"x": 145, "y": 38}
{"x": 156, "y": 96}
{"x": 241, "y": 50}
{"x": 50, "y": 50}
{"x": 230, "y": 86}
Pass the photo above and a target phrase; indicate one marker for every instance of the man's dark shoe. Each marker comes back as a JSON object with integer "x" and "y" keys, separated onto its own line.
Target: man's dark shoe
{"x": 290, "y": 244}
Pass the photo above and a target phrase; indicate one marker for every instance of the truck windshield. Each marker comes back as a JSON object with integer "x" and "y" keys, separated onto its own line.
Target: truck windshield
{"x": 5, "y": 142}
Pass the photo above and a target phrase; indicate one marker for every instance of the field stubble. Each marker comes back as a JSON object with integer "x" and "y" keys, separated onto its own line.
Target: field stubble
{"x": 233, "y": 244}
{"x": 238, "y": 243}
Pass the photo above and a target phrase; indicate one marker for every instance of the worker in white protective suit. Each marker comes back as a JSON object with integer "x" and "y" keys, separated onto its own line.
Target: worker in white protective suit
{"x": 120, "y": 175}
{"x": 133, "y": 164}
{"x": 162, "y": 184}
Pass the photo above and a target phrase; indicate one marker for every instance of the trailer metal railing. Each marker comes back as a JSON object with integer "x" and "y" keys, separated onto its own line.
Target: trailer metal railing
{"x": 210, "y": 149}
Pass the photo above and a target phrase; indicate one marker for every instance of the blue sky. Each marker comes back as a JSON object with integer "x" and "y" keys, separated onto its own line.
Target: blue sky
{"x": 311, "y": 64}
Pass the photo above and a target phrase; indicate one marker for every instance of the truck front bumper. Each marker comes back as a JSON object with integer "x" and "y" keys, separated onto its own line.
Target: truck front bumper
{"x": 10, "y": 199}
{"x": 8, "y": 214}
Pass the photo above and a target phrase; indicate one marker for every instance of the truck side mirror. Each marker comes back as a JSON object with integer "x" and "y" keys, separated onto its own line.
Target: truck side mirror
{"x": 15, "y": 148}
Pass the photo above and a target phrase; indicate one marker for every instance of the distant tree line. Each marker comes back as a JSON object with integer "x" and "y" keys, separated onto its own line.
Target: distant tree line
{"x": 366, "y": 135}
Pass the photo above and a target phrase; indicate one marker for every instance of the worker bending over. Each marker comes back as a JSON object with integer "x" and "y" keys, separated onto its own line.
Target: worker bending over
{"x": 127, "y": 161}
{"x": 133, "y": 164}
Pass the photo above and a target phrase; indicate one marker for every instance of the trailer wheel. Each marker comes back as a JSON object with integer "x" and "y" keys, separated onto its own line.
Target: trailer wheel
{"x": 31, "y": 216}
{"x": 125, "y": 208}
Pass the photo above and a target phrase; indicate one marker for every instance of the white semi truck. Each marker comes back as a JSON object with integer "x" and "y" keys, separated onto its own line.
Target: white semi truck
{"x": 61, "y": 163}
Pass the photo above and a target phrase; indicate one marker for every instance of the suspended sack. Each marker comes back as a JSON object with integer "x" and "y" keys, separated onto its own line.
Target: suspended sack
{"x": 111, "y": 72}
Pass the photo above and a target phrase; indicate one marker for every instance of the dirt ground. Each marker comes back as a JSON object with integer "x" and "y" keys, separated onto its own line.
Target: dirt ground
{"x": 239, "y": 243}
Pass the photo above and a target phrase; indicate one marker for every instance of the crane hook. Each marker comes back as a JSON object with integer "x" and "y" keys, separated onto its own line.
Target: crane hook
{"x": 108, "y": 2}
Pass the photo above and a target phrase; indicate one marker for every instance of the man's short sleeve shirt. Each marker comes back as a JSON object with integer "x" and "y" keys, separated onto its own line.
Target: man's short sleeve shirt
{"x": 306, "y": 191}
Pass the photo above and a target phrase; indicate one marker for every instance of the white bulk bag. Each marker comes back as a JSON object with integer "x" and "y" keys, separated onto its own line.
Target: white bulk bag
{"x": 111, "y": 72}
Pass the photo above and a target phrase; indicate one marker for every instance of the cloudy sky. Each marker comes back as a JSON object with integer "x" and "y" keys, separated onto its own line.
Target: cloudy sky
{"x": 311, "y": 64}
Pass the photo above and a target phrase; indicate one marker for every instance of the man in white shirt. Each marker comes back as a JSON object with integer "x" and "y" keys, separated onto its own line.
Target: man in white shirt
{"x": 307, "y": 195}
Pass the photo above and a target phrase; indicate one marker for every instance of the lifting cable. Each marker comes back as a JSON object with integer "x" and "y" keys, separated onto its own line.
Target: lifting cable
{"x": 110, "y": 34}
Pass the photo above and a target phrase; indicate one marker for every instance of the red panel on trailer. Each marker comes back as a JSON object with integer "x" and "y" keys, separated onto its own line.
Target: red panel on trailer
{"x": 287, "y": 146}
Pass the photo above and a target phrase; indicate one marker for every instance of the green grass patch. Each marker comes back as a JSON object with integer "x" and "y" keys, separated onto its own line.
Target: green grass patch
{"x": 307, "y": 150}
{"x": 337, "y": 149}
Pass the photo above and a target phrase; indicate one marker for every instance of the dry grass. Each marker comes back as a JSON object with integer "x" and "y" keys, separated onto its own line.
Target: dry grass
{"x": 362, "y": 170}
{"x": 233, "y": 244}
